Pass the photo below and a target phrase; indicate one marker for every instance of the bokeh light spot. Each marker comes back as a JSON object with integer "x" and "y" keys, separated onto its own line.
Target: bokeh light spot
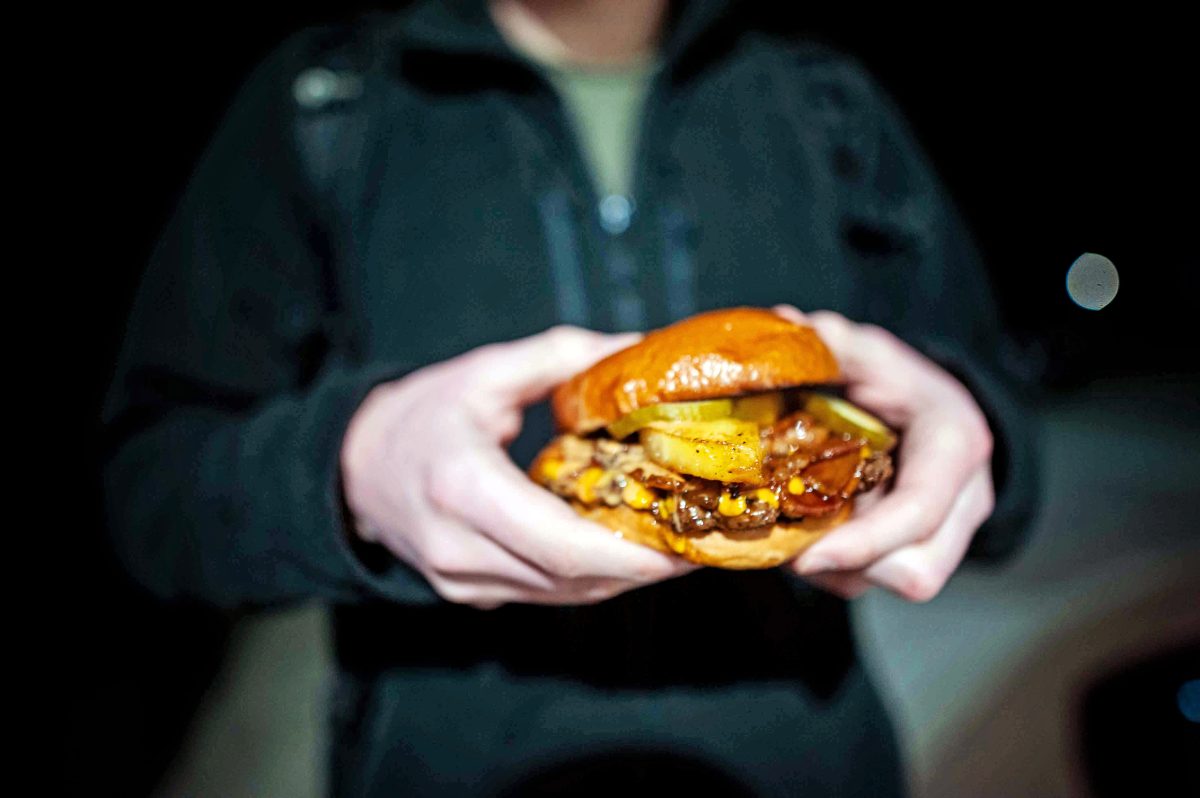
{"x": 1189, "y": 700}
{"x": 1092, "y": 281}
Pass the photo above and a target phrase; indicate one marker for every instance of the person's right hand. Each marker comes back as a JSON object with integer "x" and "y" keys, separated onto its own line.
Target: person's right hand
{"x": 424, "y": 473}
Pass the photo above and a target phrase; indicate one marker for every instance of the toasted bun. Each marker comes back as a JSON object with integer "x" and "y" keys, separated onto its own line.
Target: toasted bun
{"x": 712, "y": 355}
{"x": 764, "y": 547}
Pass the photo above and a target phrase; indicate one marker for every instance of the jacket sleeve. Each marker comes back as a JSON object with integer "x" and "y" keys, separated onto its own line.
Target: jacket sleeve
{"x": 931, "y": 287}
{"x": 224, "y": 420}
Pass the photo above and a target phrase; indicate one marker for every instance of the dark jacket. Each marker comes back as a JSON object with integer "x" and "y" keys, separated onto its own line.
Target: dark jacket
{"x": 391, "y": 193}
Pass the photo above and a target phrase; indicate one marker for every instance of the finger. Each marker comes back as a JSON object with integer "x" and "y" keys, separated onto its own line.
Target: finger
{"x": 919, "y": 572}
{"x": 488, "y": 593}
{"x": 938, "y": 460}
{"x": 463, "y": 576}
{"x": 865, "y": 501}
{"x": 523, "y": 371}
{"x": 488, "y": 492}
{"x": 450, "y": 549}
{"x": 865, "y": 351}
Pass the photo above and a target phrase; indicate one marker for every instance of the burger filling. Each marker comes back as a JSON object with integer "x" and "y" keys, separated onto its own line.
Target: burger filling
{"x": 729, "y": 464}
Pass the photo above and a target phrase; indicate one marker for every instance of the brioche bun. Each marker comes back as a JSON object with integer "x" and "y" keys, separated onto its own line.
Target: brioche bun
{"x": 763, "y": 547}
{"x": 712, "y": 355}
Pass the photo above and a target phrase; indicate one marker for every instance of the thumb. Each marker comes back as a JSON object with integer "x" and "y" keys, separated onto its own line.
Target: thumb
{"x": 523, "y": 371}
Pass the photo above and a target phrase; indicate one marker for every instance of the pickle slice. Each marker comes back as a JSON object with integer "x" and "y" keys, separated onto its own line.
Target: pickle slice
{"x": 763, "y": 408}
{"x": 841, "y": 416}
{"x": 726, "y": 450}
{"x": 705, "y": 410}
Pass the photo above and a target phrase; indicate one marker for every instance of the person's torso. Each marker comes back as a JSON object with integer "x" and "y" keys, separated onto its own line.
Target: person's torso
{"x": 466, "y": 215}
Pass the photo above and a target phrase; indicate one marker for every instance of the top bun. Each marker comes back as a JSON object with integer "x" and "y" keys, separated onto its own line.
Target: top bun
{"x": 712, "y": 355}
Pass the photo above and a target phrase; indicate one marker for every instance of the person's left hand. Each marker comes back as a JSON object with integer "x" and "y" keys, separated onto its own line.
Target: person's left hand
{"x": 911, "y": 540}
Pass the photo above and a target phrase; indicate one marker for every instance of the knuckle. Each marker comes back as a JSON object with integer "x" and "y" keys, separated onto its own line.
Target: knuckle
{"x": 566, "y": 565}
{"x": 833, "y": 323}
{"x": 443, "y": 559}
{"x": 878, "y": 336}
{"x": 453, "y": 592}
{"x": 565, "y": 337}
{"x": 986, "y": 442}
{"x": 564, "y": 331}
{"x": 484, "y": 352}
{"x": 920, "y": 585}
{"x": 980, "y": 440}
{"x": 830, "y": 316}
{"x": 789, "y": 312}
{"x": 469, "y": 363}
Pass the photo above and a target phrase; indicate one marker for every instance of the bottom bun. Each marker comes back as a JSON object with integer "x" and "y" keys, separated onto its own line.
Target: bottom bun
{"x": 764, "y": 547}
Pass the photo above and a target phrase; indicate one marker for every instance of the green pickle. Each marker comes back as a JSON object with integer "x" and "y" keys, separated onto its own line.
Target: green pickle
{"x": 706, "y": 410}
{"x": 841, "y": 416}
{"x": 764, "y": 408}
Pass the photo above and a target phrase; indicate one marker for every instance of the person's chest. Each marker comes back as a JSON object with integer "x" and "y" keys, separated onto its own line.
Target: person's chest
{"x": 479, "y": 222}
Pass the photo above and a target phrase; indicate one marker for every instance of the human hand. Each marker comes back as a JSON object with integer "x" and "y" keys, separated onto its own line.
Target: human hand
{"x": 911, "y": 540}
{"x": 425, "y": 474}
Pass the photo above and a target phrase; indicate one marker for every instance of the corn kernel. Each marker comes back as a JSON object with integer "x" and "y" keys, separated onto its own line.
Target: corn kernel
{"x": 552, "y": 469}
{"x": 767, "y": 497}
{"x": 729, "y": 506}
{"x": 636, "y": 496}
{"x": 585, "y": 489}
{"x": 864, "y": 452}
{"x": 796, "y": 485}
{"x": 678, "y": 544}
{"x": 666, "y": 507}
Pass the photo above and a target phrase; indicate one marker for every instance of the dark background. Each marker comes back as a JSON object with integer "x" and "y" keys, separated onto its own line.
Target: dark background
{"x": 1055, "y": 137}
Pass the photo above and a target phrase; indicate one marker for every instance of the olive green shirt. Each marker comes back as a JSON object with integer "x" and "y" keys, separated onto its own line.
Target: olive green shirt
{"x": 605, "y": 108}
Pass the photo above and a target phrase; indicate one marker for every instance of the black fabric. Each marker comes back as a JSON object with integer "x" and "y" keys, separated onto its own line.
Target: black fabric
{"x": 496, "y": 733}
{"x": 439, "y": 203}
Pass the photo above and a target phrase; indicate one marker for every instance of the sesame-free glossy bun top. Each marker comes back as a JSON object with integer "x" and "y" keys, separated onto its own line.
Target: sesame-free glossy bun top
{"x": 716, "y": 354}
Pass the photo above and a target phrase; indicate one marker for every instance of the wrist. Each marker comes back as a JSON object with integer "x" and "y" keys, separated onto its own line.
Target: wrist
{"x": 357, "y": 459}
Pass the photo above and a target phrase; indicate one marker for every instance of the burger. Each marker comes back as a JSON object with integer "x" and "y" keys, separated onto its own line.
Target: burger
{"x": 719, "y": 438}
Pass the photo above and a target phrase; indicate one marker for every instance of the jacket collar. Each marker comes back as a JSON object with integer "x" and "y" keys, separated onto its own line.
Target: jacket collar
{"x": 464, "y": 27}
